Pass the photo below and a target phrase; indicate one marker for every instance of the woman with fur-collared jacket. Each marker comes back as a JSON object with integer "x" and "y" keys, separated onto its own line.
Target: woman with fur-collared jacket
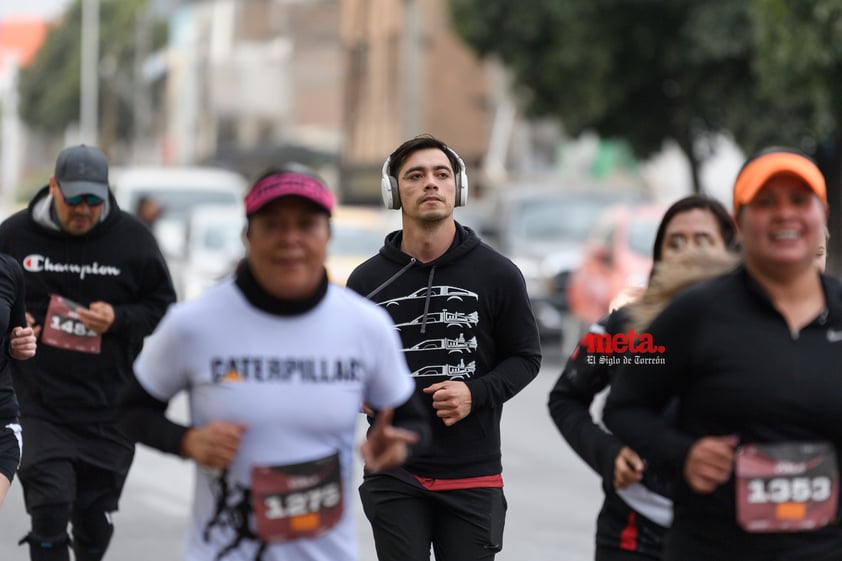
{"x": 693, "y": 241}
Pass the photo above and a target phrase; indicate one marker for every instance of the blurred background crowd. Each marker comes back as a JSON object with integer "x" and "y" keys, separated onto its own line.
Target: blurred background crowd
{"x": 578, "y": 120}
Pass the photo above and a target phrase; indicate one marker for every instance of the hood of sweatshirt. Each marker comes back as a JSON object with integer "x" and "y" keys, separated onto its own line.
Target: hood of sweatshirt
{"x": 464, "y": 242}
{"x": 43, "y": 213}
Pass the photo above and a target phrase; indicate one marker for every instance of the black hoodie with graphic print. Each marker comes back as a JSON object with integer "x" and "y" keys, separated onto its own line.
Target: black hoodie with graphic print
{"x": 117, "y": 262}
{"x": 465, "y": 316}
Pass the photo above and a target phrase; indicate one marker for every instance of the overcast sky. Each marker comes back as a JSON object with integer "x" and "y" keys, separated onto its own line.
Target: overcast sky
{"x": 41, "y": 8}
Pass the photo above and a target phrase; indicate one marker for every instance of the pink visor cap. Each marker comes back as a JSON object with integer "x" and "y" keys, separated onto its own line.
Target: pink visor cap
{"x": 285, "y": 184}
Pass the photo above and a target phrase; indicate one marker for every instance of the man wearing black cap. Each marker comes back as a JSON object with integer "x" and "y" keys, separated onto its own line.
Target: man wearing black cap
{"x": 96, "y": 285}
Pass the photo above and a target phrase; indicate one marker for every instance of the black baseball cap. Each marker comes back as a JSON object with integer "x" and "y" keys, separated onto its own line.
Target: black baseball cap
{"x": 82, "y": 170}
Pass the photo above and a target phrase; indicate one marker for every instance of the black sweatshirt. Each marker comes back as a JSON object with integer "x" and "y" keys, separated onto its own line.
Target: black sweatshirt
{"x": 464, "y": 316}
{"x": 117, "y": 262}
{"x": 584, "y": 376}
{"x": 736, "y": 369}
{"x": 12, "y": 294}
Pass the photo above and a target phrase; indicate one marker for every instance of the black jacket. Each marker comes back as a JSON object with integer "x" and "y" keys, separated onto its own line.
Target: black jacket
{"x": 736, "y": 369}
{"x": 464, "y": 316}
{"x": 11, "y": 315}
{"x": 117, "y": 262}
{"x": 585, "y": 375}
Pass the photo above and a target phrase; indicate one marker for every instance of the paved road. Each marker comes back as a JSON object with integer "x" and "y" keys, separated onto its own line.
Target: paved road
{"x": 553, "y": 497}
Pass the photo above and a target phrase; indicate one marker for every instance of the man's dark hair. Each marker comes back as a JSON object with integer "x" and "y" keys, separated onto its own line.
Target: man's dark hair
{"x": 420, "y": 142}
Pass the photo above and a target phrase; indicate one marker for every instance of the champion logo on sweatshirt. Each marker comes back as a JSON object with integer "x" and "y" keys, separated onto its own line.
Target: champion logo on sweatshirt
{"x": 35, "y": 263}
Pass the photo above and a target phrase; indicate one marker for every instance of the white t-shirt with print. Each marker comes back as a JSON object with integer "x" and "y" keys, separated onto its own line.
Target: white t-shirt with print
{"x": 296, "y": 383}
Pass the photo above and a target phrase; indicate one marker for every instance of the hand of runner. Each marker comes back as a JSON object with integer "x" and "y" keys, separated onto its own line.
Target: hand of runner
{"x": 628, "y": 468}
{"x": 98, "y": 317}
{"x": 30, "y": 322}
{"x": 386, "y": 445}
{"x": 451, "y": 400}
{"x": 214, "y": 445}
{"x": 22, "y": 343}
{"x": 710, "y": 462}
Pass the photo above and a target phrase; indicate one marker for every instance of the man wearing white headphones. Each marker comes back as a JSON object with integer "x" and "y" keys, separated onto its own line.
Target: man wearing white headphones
{"x": 471, "y": 342}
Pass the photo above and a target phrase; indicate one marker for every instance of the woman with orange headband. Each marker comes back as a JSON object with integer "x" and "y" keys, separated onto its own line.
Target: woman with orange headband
{"x": 751, "y": 358}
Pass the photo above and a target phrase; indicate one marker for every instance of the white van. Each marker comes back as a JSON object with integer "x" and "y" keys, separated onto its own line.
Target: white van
{"x": 178, "y": 190}
{"x": 215, "y": 244}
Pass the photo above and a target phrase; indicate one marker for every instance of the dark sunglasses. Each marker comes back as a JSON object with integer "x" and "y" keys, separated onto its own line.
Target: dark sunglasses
{"x": 90, "y": 200}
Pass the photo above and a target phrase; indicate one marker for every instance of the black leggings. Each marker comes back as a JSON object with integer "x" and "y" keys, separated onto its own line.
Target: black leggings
{"x": 48, "y": 541}
{"x": 10, "y": 449}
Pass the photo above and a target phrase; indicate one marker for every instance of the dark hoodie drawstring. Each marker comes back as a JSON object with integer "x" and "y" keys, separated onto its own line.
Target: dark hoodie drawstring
{"x": 427, "y": 299}
{"x": 391, "y": 279}
{"x": 403, "y": 269}
{"x": 464, "y": 241}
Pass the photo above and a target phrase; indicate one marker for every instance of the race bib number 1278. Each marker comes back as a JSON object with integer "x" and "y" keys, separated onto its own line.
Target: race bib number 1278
{"x": 297, "y": 501}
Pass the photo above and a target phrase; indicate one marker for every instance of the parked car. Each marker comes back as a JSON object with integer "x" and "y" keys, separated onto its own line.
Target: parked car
{"x": 543, "y": 231}
{"x": 616, "y": 261}
{"x": 474, "y": 215}
{"x": 177, "y": 190}
{"x": 358, "y": 233}
{"x": 214, "y": 246}
{"x": 215, "y": 243}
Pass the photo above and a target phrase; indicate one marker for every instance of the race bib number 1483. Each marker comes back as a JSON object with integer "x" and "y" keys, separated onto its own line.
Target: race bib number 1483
{"x": 63, "y": 328}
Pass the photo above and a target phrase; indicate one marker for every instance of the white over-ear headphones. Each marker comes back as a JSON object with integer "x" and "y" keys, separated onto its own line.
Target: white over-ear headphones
{"x": 392, "y": 197}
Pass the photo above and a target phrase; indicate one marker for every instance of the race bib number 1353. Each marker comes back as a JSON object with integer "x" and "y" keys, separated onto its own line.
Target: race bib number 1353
{"x": 786, "y": 487}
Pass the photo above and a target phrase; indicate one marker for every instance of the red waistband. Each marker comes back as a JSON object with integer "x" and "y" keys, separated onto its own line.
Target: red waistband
{"x": 432, "y": 484}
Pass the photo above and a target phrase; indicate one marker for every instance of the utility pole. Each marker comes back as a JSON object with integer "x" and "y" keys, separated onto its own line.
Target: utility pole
{"x": 413, "y": 69}
{"x": 89, "y": 82}
{"x": 10, "y": 131}
{"x": 140, "y": 92}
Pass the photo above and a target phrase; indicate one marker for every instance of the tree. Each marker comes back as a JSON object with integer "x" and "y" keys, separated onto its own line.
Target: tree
{"x": 799, "y": 66}
{"x": 49, "y": 86}
{"x": 768, "y": 72}
{"x": 645, "y": 70}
